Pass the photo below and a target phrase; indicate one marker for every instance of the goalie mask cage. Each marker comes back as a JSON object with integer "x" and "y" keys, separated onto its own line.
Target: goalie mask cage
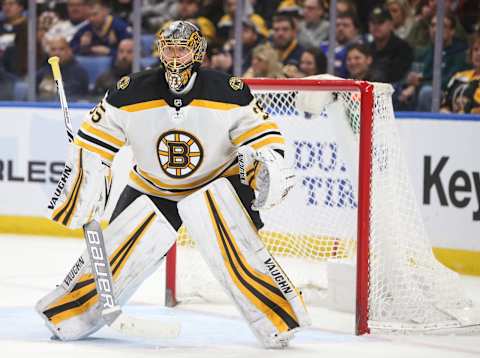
{"x": 353, "y": 202}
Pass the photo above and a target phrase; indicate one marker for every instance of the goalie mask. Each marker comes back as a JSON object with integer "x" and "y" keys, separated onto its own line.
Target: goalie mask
{"x": 181, "y": 48}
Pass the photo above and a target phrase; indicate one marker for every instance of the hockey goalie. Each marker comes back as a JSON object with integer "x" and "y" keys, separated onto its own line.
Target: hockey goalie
{"x": 206, "y": 156}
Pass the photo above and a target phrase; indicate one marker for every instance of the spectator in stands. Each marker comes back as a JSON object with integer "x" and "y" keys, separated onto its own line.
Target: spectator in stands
{"x": 313, "y": 62}
{"x": 419, "y": 36}
{"x": 122, "y": 66}
{"x": 313, "y": 27}
{"x": 251, "y": 38}
{"x": 346, "y": 34}
{"x": 15, "y": 57}
{"x": 402, "y": 17}
{"x": 190, "y": 10}
{"x": 75, "y": 77}
{"x": 102, "y": 33}
{"x": 122, "y": 9}
{"x": 7, "y": 85}
{"x": 155, "y": 13}
{"x": 359, "y": 60}
{"x": 77, "y": 11}
{"x": 346, "y": 6}
{"x": 13, "y": 22}
{"x": 213, "y": 10}
{"x": 284, "y": 40}
{"x": 392, "y": 56}
{"x": 291, "y": 8}
{"x": 266, "y": 9}
{"x": 45, "y": 22}
{"x": 265, "y": 63}
{"x": 226, "y": 24}
{"x": 254, "y": 33}
{"x": 468, "y": 13}
{"x": 221, "y": 58}
{"x": 419, "y": 86}
{"x": 462, "y": 94}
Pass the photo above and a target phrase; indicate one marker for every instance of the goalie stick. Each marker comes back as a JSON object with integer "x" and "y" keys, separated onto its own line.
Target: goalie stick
{"x": 112, "y": 313}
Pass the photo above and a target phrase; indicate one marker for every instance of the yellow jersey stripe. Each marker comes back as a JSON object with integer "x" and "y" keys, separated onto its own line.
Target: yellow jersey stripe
{"x": 254, "y": 132}
{"x": 267, "y": 141}
{"x": 94, "y": 131}
{"x": 143, "y": 182}
{"x": 104, "y": 154}
{"x": 157, "y": 103}
{"x": 146, "y": 187}
{"x": 191, "y": 185}
{"x": 213, "y": 104}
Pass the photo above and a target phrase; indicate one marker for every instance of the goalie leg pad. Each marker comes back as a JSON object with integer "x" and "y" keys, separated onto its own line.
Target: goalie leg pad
{"x": 229, "y": 243}
{"x": 136, "y": 242}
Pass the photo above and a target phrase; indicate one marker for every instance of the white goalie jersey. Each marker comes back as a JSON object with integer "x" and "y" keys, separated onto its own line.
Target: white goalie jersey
{"x": 179, "y": 142}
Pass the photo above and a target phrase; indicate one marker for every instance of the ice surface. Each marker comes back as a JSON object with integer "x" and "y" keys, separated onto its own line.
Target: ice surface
{"x": 31, "y": 266}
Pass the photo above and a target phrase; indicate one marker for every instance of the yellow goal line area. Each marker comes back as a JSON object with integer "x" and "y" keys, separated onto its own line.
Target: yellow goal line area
{"x": 309, "y": 247}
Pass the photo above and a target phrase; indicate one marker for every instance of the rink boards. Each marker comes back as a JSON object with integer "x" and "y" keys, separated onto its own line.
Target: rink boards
{"x": 441, "y": 153}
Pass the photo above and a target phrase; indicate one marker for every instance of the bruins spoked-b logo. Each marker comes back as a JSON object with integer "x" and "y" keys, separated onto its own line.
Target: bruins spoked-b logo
{"x": 180, "y": 153}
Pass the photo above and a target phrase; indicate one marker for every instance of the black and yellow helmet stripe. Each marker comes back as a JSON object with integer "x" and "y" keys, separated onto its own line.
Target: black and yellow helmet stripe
{"x": 84, "y": 293}
{"x": 259, "y": 288}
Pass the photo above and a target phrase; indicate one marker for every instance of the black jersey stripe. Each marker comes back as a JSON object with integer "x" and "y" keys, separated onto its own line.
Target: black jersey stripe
{"x": 173, "y": 190}
{"x": 260, "y": 136}
{"x": 97, "y": 141}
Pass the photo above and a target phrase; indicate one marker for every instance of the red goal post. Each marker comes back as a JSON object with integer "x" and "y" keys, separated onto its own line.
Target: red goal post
{"x": 365, "y": 90}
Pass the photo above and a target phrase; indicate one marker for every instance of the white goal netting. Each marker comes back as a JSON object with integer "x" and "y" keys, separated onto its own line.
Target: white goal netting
{"x": 317, "y": 223}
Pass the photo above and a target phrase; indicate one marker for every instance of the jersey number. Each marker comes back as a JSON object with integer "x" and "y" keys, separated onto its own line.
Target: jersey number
{"x": 97, "y": 113}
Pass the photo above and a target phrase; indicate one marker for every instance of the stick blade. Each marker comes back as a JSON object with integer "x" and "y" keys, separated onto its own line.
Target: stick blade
{"x": 145, "y": 328}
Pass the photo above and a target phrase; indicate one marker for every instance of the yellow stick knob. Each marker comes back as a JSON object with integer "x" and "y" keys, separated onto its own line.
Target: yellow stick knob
{"x": 54, "y": 63}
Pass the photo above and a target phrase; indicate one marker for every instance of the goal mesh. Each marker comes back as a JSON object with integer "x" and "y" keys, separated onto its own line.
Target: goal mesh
{"x": 317, "y": 222}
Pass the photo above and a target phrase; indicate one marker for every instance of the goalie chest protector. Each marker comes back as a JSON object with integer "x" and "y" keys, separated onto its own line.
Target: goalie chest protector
{"x": 179, "y": 142}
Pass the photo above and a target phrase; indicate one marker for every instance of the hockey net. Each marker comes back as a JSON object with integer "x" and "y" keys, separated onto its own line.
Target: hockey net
{"x": 372, "y": 224}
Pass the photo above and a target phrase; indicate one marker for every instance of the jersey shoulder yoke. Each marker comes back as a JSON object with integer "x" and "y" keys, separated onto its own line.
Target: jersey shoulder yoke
{"x": 221, "y": 87}
{"x": 138, "y": 87}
